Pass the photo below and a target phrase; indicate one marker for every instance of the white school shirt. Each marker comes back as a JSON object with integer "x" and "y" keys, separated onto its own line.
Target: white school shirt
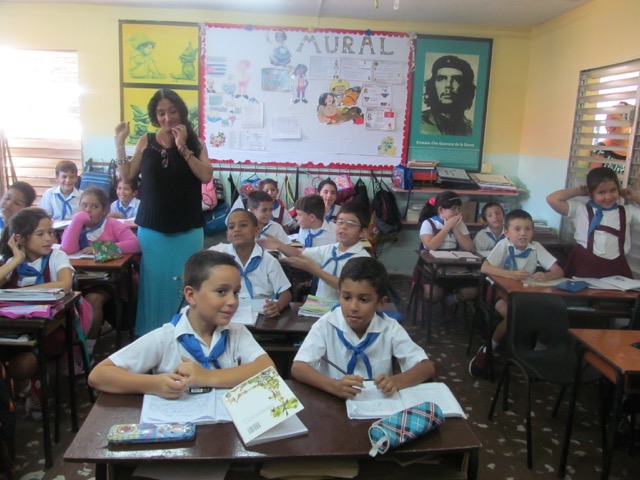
{"x": 538, "y": 256}
{"x": 605, "y": 245}
{"x": 160, "y": 350}
{"x": 275, "y": 230}
{"x": 450, "y": 242}
{"x": 393, "y": 341}
{"x": 286, "y": 216}
{"x": 51, "y": 204}
{"x": 131, "y": 209}
{"x": 328, "y": 236}
{"x": 483, "y": 242}
{"x": 321, "y": 254}
{"x": 267, "y": 279}
{"x": 57, "y": 261}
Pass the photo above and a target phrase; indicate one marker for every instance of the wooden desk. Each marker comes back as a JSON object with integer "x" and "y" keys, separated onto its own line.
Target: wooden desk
{"x": 119, "y": 271}
{"x": 331, "y": 434}
{"x": 39, "y": 328}
{"x": 612, "y": 350}
{"x": 430, "y": 267}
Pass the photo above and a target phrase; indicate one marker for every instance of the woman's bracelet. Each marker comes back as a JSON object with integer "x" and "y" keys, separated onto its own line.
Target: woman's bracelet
{"x": 120, "y": 148}
{"x": 123, "y": 161}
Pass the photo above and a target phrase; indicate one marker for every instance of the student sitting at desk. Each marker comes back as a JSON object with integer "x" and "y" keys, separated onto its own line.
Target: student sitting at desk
{"x": 62, "y": 202}
{"x": 90, "y": 225}
{"x": 487, "y": 238}
{"x": 197, "y": 347}
{"x": 602, "y": 226}
{"x": 517, "y": 257}
{"x": 326, "y": 262}
{"x": 279, "y": 213}
{"x": 314, "y": 230}
{"x": 443, "y": 229}
{"x": 356, "y": 342}
{"x": 126, "y": 206}
{"x": 32, "y": 263}
{"x": 259, "y": 203}
{"x": 262, "y": 274}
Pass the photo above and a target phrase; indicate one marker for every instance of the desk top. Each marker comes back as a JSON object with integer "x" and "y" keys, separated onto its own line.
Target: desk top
{"x": 331, "y": 434}
{"x": 88, "y": 264}
{"x": 33, "y": 323}
{"x": 613, "y": 346}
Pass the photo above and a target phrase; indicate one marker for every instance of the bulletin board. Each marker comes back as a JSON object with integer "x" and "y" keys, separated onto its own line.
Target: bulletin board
{"x": 318, "y": 97}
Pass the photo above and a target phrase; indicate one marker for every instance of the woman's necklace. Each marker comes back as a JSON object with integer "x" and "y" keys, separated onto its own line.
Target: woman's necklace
{"x": 163, "y": 152}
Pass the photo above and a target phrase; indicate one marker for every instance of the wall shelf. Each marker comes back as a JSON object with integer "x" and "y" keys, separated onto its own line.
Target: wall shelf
{"x": 436, "y": 190}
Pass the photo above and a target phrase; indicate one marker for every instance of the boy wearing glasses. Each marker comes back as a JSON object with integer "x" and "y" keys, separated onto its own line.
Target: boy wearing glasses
{"x": 326, "y": 262}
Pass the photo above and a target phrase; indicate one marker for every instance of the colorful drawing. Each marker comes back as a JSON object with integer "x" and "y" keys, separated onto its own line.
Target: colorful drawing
{"x": 281, "y": 56}
{"x": 142, "y": 64}
{"x": 387, "y": 147}
{"x": 338, "y": 87}
{"x": 243, "y": 78}
{"x": 275, "y": 80}
{"x": 327, "y": 110}
{"x": 218, "y": 140}
{"x": 300, "y": 73}
{"x": 188, "y": 59}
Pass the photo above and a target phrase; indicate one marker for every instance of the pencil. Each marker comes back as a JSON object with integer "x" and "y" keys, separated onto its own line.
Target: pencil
{"x": 334, "y": 365}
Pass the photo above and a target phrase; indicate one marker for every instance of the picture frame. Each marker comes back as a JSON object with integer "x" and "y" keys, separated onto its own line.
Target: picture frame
{"x": 447, "y": 113}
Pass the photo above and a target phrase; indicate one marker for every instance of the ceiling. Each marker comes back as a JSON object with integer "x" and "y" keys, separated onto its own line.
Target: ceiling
{"x": 502, "y": 13}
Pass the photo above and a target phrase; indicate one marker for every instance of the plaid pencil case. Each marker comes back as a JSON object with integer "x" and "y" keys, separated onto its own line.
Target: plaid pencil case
{"x": 399, "y": 428}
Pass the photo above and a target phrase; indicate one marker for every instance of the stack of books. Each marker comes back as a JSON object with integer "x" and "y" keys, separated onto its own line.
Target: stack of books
{"x": 455, "y": 178}
{"x": 36, "y": 295}
{"x": 423, "y": 170}
{"x": 316, "y": 306}
{"x": 541, "y": 229}
{"x": 492, "y": 181}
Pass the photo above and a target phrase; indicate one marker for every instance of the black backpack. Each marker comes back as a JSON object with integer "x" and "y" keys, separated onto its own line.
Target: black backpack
{"x": 385, "y": 209}
{"x": 7, "y": 425}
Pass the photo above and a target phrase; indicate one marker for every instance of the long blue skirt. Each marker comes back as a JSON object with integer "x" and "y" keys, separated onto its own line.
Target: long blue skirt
{"x": 163, "y": 258}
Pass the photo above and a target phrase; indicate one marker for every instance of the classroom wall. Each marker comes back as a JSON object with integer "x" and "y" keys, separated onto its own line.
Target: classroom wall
{"x": 532, "y": 89}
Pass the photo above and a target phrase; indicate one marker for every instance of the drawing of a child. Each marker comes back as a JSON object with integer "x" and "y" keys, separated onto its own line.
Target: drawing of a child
{"x": 142, "y": 64}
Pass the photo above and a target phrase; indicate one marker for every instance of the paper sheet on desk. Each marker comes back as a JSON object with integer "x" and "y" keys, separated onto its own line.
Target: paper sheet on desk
{"x": 248, "y": 311}
{"x": 182, "y": 470}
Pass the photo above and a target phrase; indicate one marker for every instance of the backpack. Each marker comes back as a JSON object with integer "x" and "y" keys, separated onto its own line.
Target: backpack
{"x": 103, "y": 176}
{"x": 209, "y": 196}
{"x": 361, "y": 195}
{"x": 402, "y": 177}
{"x": 385, "y": 209}
{"x": 7, "y": 425}
{"x": 215, "y": 220}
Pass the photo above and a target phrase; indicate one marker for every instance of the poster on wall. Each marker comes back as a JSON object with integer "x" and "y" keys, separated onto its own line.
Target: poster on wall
{"x": 306, "y": 97}
{"x": 449, "y": 100}
{"x": 157, "y": 55}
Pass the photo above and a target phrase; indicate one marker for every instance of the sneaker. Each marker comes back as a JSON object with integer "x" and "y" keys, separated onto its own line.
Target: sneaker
{"x": 477, "y": 365}
{"x": 33, "y": 404}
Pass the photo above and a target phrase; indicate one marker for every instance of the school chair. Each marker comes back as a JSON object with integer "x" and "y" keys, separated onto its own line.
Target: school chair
{"x": 485, "y": 315}
{"x": 536, "y": 316}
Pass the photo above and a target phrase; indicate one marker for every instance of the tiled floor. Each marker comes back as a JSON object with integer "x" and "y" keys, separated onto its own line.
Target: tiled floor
{"x": 504, "y": 449}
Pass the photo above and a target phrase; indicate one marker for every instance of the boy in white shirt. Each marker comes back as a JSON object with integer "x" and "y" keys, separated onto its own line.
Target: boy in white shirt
{"x": 259, "y": 203}
{"x": 359, "y": 341}
{"x": 517, "y": 257}
{"x": 198, "y": 347}
{"x": 487, "y": 238}
{"x": 314, "y": 231}
{"x": 62, "y": 201}
{"x": 262, "y": 275}
{"x": 326, "y": 262}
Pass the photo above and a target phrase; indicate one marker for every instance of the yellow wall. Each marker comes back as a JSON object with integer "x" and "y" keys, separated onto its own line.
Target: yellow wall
{"x": 93, "y": 32}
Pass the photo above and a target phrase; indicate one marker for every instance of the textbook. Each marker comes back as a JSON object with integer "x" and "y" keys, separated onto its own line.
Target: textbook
{"x": 616, "y": 282}
{"x": 454, "y": 255}
{"x": 201, "y": 408}
{"x": 316, "y": 306}
{"x": 31, "y": 295}
{"x": 263, "y": 408}
{"x": 372, "y": 403}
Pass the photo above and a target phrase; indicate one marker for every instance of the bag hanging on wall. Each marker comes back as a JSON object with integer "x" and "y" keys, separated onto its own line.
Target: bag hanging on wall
{"x": 209, "y": 196}
{"x": 312, "y": 187}
{"x": 361, "y": 194}
{"x": 402, "y": 177}
{"x": 249, "y": 185}
{"x": 104, "y": 180}
{"x": 385, "y": 209}
{"x": 346, "y": 190}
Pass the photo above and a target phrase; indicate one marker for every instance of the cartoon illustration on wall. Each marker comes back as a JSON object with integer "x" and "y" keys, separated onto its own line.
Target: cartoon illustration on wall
{"x": 142, "y": 64}
{"x": 281, "y": 56}
{"x": 327, "y": 110}
{"x": 300, "y": 75}
{"x": 387, "y": 147}
{"x": 229, "y": 87}
{"x": 188, "y": 59}
{"x": 338, "y": 87}
{"x": 140, "y": 123}
{"x": 218, "y": 140}
{"x": 243, "y": 78}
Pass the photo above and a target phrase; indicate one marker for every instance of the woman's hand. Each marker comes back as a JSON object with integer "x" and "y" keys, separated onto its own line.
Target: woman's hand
{"x": 179, "y": 135}
{"x": 122, "y": 132}
{"x": 16, "y": 249}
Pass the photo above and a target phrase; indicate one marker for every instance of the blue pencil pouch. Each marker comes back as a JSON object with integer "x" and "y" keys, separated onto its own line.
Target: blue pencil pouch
{"x": 399, "y": 428}
{"x": 572, "y": 285}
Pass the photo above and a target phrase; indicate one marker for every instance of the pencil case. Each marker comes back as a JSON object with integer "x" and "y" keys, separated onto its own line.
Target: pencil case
{"x": 399, "y": 428}
{"x": 150, "y": 433}
{"x": 572, "y": 285}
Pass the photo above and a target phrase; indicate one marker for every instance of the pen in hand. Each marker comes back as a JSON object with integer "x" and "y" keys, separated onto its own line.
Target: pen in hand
{"x": 333, "y": 365}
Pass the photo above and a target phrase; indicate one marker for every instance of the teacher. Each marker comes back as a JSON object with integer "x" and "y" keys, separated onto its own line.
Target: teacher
{"x": 173, "y": 163}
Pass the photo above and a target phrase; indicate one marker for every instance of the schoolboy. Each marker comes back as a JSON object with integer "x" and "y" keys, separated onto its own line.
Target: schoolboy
{"x": 126, "y": 206}
{"x": 314, "y": 231}
{"x": 279, "y": 212}
{"x": 517, "y": 257}
{"x": 198, "y": 347}
{"x": 377, "y": 337}
{"x": 487, "y": 238}
{"x": 326, "y": 262}
{"x": 262, "y": 275}
{"x": 259, "y": 203}
{"x": 63, "y": 200}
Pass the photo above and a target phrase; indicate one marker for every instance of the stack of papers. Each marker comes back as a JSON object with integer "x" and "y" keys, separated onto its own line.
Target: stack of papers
{"x": 492, "y": 181}
{"x": 31, "y": 295}
{"x": 457, "y": 178}
{"x": 248, "y": 311}
{"x": 616, "y": 282}
{"x": 201, "y": 408}
{"x": 316, "y": 306}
